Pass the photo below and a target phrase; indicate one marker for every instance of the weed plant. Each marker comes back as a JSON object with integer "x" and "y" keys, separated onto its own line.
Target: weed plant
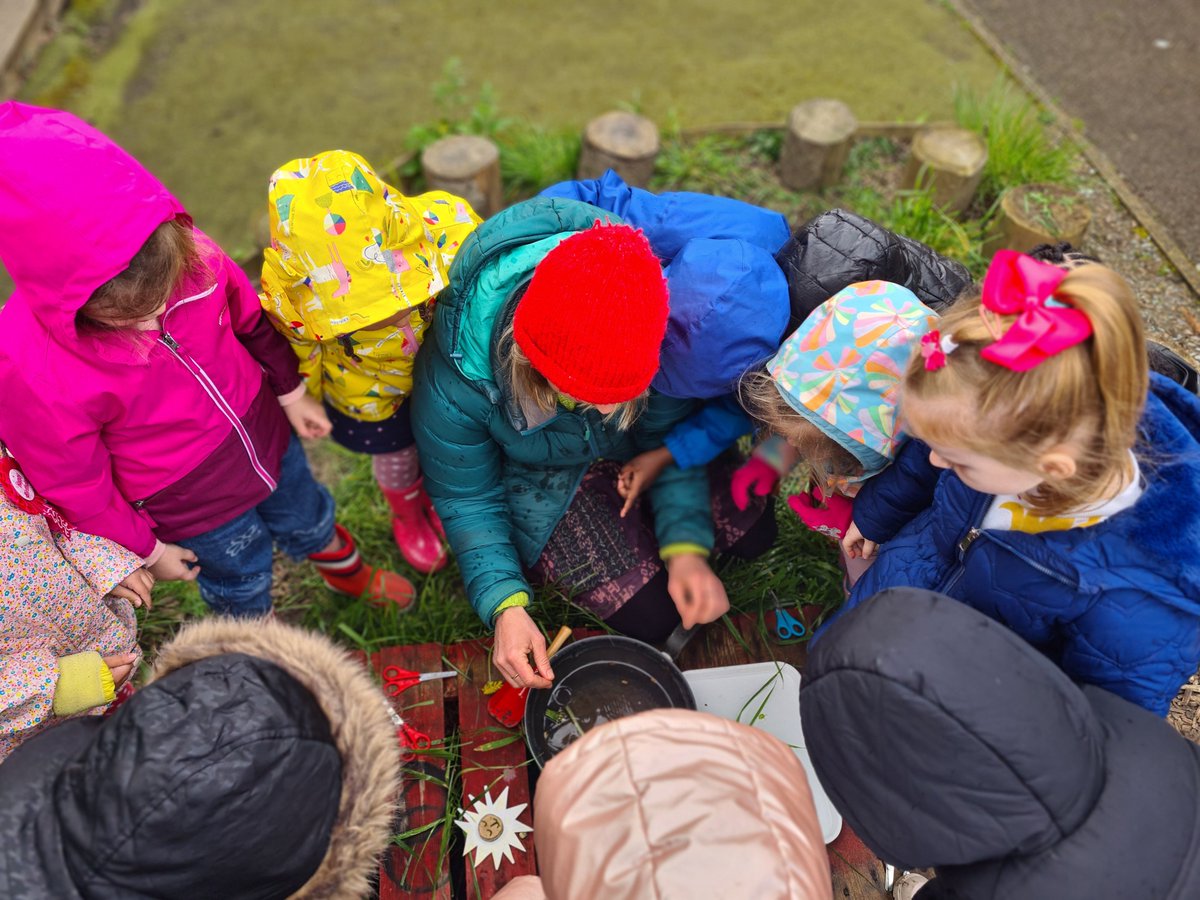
{"x": 1021, "y": 148}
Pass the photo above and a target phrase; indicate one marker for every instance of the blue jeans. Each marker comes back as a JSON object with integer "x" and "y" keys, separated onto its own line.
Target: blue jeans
{"x": 235, "y": 558}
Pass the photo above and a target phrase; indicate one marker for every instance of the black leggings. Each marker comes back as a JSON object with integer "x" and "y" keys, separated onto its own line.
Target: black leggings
{"x": 650, "y": 614}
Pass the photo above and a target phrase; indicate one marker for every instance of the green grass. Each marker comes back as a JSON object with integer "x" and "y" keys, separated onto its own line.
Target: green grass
{"x": 800, "y": 568}
{"x": 1021, "y": 147}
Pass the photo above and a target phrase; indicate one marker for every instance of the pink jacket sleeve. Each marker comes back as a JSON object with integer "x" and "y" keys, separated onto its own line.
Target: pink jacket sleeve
{"x": 269, "y": 348}
{"x": 60, "y": 451}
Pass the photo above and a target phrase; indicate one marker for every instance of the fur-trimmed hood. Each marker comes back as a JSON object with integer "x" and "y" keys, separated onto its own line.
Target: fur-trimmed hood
{"x": 259, "y": 762}
{"x": 358, "y": 720}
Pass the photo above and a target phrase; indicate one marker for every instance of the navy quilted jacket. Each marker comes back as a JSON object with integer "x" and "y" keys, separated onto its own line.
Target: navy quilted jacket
{"x": 1115, "y": 605}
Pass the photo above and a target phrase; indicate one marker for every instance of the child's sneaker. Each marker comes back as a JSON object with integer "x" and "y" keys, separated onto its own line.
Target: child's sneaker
{"x": 345, "y": 572}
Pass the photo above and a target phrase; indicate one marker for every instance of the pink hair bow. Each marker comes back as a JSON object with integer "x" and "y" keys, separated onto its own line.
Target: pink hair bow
{"x": 1016, "y": 284}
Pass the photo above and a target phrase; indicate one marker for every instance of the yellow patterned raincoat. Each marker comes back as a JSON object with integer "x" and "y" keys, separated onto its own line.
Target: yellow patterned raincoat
{"x": 351, "y": 267}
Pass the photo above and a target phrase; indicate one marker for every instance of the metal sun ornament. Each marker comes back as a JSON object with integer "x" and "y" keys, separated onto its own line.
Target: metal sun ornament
{"x": 492, "y": 828}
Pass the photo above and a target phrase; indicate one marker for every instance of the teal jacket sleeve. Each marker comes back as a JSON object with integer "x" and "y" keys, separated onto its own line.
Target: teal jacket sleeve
{"x": 461, "y": 464}
{"x": 682, "y": 512}
{"x": 705, "y": 435}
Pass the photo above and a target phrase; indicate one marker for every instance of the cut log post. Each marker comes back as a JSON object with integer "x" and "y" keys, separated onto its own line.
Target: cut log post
{"x": 950, "y": 162}
{"x": 1035, "y": 214}
{"x": 819, "y": 134}
{"x": 622, "y": 141}
{"x": 467, "y": 166}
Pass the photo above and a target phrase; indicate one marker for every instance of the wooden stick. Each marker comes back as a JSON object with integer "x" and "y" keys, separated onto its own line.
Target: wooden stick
{"x": 559, "y": 640}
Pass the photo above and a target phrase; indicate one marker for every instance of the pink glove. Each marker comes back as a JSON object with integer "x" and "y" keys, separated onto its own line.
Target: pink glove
{"x": 831, "y": 518}
{"x": 755, "y": 475}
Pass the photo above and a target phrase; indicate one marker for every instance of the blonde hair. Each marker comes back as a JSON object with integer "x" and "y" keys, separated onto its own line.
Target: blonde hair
{"x": 531, "y": 385}
{"x": 1091, "y": 394}
{"x": 829, "y": 460}
{"x": 147, "y": 283}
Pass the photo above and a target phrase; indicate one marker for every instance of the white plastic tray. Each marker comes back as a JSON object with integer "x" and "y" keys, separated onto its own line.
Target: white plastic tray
{"x": 728, "y": 691}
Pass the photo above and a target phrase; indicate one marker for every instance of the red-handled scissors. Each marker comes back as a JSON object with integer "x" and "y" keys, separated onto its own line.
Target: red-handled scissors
{"x": 396, "y": 680}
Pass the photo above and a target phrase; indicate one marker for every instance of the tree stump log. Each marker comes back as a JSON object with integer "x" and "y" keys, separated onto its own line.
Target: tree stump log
{"x": 950, "y": 162}
{"x": 467, "y": 166}
{"x": 818, "y": 141}
{"x": 1035, "y": 214}
{"x": 622, "y": 141}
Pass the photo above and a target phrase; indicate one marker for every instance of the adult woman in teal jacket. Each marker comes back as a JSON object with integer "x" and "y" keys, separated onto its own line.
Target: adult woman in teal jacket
{"x": 530, "y": 394}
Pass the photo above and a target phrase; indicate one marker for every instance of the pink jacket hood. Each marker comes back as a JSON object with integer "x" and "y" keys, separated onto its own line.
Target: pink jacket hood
{"x": 676, "y": 803}
{"x": 84, "y": 177}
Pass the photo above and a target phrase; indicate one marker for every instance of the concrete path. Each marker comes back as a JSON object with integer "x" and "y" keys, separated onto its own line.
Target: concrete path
{"x": 1129, "y": 70}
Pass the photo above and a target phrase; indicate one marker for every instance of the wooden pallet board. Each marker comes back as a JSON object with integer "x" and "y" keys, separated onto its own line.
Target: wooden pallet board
{"x": 423, "y": 869}
{"x": 493, "y": 758}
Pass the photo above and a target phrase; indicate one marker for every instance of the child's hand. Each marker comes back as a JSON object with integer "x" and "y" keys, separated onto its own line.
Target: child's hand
{"x": 135, "y": 588}
{"x": 308, "y": 417}
{"x": 856, "y": 545}
{"x": 754, "y": 475}
{"x": 827, "y": 514}
{"x": 639, "y": 473}
{"x": 173, "y": 564}
{"x": 121, "y": 666}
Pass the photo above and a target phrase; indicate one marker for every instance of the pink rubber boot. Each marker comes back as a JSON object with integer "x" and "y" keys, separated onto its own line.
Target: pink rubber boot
{"x": 415, "y": 535}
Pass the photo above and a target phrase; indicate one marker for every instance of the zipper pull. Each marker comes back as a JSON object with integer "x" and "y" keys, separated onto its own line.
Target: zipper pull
{"x": 965, "y": 544}
{"x": 169, "y": 341}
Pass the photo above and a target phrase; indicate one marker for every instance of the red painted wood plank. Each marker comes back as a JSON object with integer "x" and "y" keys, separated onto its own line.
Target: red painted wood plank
{"x": 489, "y": 770}
{"x": 421, "y": 868}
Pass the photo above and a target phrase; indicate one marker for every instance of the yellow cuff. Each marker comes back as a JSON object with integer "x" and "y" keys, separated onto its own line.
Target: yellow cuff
{"x": 681, "y": 548}
{"x": 84, "y": 682}
{"x": 520, "y": 598}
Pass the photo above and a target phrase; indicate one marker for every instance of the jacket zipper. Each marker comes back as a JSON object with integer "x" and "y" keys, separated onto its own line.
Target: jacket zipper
{"x": 965, "y": 543}
{"x": 214, "y": 394}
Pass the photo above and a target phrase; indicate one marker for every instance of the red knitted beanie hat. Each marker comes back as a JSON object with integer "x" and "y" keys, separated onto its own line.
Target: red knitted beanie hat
{"x": 594, "y": 315}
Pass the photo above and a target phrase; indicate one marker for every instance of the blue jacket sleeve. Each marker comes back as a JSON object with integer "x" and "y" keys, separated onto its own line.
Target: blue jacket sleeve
{"x": 706, "y": 434}
{"x": 890, "y": 500}
{"x": 672, "y": 219}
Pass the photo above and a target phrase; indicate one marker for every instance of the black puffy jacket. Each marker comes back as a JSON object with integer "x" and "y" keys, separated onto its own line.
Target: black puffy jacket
{"x": 948, "y": 742}
{"x": 839, "y": 248}
{"x": 260, "y": 764}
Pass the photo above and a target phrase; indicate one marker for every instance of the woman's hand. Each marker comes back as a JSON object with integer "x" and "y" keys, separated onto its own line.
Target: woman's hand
{"x": 308, "y": 417}
{"x": 697, "y": 591}
{"x": 173, "y": 564}
{"x": 855, "y": 545}
{"x": 135, "y": 588}
{"x": 518, "y": 637}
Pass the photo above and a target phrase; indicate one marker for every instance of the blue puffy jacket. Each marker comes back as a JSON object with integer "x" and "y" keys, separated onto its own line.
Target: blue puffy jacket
{"x": 729, "y": 299}
{"x": 1115, "y": 605}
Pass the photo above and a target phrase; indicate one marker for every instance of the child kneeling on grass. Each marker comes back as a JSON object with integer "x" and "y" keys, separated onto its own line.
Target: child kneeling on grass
{"x": 1051, "y": 483}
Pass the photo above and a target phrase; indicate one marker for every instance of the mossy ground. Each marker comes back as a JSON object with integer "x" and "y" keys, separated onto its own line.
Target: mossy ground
{"x": 213, "y": 96}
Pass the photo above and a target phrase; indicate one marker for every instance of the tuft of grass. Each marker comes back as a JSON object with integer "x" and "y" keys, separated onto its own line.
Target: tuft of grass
{"x": 1021, "y": 149}
{"x": 533, "y": 157}
{"x": 458, "y": 113}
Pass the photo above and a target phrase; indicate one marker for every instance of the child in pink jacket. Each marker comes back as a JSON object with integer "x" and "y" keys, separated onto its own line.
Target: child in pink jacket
{"x": 144, "y": 391}
{"x": 68, "y": 635}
